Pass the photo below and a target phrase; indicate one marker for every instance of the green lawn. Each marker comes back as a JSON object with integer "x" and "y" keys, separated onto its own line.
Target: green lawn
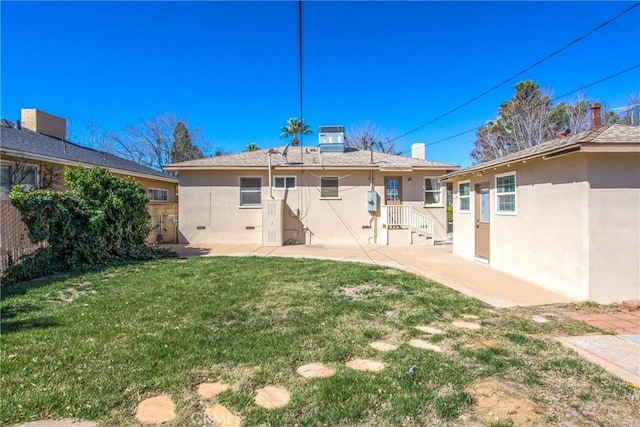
{"x": 93, "y": 345}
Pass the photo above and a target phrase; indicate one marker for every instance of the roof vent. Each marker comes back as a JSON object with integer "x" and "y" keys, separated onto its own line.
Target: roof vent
{"x": 331, "y": 139}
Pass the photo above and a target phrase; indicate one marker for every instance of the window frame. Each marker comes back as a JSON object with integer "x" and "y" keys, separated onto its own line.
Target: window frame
{"x": 467, "y": 197}
{"x": 240, "y": 191}
{"x": 337, "y": 197}
{"x": 508, "y": 193}
{"x": 424, "y": 192}
{"x": 285, "y": 177}
{"x": 10, "y": 165}
{"x": 150, "y": 189}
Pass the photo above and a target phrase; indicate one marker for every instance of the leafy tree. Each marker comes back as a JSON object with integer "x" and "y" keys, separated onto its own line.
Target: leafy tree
{"x": 182, "y": 149}
{"x": 100, "y": 218}
{"x": 525, "y": 120}
{"x": 367, "y": 136}
{"x": 294, "y": 128}
{"x": 252, "y": 147}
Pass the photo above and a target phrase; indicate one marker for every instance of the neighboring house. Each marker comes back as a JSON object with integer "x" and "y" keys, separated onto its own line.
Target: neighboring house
{"x": 34, "y": 152}
{"x": 327, "y": 194}
{"x": 564, "y": 214}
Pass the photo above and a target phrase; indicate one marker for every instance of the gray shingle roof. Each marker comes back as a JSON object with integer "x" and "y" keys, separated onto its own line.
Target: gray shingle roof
{"x": 310, "y": 157}
{"x": 28, "y": 144}
{"x": 610, "y": 134}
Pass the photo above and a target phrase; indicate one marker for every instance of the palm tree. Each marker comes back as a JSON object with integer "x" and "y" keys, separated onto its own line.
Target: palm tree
{"x": 294, "y": 128}
{"x": 252, "y": 147}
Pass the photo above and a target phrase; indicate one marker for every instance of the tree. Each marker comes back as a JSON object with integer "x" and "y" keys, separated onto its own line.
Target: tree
{"x": 150, "y": 142}
{"x": 294, "y": 128}
{"x": 525, "y": 120}
{"x": 101, "y": 217}
{"x": 252, "y": 147}
{"x": 367, "y": 136}
{"x": 182, "y": 149}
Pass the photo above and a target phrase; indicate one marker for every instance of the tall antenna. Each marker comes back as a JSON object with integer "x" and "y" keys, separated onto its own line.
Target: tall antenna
{"x": 300, "y": 66}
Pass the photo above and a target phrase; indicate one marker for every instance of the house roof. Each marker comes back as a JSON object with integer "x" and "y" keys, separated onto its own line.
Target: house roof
{"x": 310, "y": 157}
{"x": 33, "y": 145}
{"x": 610, "y": 137}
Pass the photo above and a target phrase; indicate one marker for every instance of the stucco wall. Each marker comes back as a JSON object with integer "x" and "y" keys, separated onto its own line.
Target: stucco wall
{"x": 614, "y": 226}
{"x": 210, "y": 200}
{"x": 546, "y": 241}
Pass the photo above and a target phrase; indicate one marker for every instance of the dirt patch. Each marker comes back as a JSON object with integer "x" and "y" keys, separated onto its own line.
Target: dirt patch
{"x": 70, "y": 294}
{"x": 365, "y": 291}
{"x": 500, "y": 402}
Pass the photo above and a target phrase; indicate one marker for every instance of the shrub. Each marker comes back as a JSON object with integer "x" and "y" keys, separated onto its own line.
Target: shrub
{"x": 450, "y": 213}
{"x": 100, "y": 218}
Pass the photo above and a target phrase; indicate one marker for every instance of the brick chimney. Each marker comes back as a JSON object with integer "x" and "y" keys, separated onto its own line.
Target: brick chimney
{"x": 596, "y": 120}
{"x": 44, "y": 123}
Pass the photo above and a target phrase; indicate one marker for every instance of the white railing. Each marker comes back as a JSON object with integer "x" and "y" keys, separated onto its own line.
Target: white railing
{"x": 404, "y": 216}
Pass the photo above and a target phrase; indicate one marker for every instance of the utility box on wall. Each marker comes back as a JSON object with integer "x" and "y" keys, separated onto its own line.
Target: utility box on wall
{"x": 272, "y": 223}
{"x": 372, "y": 201}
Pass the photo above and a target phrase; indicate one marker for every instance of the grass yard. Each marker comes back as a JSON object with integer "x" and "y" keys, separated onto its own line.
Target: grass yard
{"x": 92, "y": 346}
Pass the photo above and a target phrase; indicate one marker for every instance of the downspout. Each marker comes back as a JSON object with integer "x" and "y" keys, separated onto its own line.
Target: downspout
{"x": 270, "y": 184}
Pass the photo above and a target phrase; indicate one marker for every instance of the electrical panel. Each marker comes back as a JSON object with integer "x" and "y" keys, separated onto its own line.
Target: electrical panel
{"x": 372, "y": 201}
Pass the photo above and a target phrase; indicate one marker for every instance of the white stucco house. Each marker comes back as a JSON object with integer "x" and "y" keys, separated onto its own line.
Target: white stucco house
{"x": 564, "y": 214}
{"x": 324, "y": 194}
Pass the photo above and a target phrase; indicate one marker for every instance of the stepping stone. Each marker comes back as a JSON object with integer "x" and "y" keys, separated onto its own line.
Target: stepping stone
{"x": 155, "y": 410}
{"x": 539, "y": 319}
{"x": 429, "y": 330}
{"x": 488, "y": 343}
{"x": 272, "y": 397}
{"x": 365, "y": 365}
{"x": 383, "y": 346}
{"x": 315, "y": 370}
{"x": 466, "y": 325}
{"x": 211, "y": 390}
{"x": 425, "y": 345}
{"x": 221, "y": 416}
{"x": 470, "y": 316}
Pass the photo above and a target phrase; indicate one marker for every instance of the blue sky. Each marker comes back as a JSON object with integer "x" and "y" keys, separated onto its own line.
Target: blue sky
{"x": 231, "y": 68}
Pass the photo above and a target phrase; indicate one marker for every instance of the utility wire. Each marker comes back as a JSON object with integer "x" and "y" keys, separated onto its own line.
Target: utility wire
{"x": 519, "y": 73}
{"x": 626, "y": 70}
{"x": 300, "y": 66}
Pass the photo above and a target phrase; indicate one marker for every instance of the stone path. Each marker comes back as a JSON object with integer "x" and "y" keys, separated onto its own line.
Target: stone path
{"x": 429, "y": 330}
{"x": 365, "y": 365}
{"x": 466, "y": 325}
{"x": 425, "y": 345}
{"x": 383, "y": 346}
{"x": 211, "y": 390}
{"x": 221, "y": 416}
{"x": 315, "y": 370}
{"x": 272, "y": 397}
{"x": 155, "y": 410}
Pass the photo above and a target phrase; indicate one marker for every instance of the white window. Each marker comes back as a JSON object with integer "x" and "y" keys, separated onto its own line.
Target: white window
{"x": 506, "y": 193}
{"x": 158, "y": 194}
{"x": 284, "y": 182}
{"x": 25, "y": 175}
{"x": 464, "y": 196}
{"x": 432, "y": 191}
{"x": 329, "y": 187}
{"x": 251, "y": 191}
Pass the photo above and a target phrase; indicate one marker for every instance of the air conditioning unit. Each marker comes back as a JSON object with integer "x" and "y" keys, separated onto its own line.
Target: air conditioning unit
{"x": 331, "y": 139}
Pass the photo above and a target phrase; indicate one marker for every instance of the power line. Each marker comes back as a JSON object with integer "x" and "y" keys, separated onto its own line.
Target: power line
{"x": 626, "y": 70}
{"x": 519, "y": 73}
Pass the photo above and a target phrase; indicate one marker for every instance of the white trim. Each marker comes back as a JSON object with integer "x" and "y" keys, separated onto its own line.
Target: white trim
{"x": 251, "y": 205}
{"x": 330, "y": 198}
{"x": 424, "y": 192}
{"x": 157, "y": 189}
{"x": 514, "y": 193}
{"x": 460, "y": 210}
{"x": 295, "y": 182}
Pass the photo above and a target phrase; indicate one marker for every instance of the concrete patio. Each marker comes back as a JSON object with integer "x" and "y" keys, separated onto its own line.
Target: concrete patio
{"x": 433, "y": 262}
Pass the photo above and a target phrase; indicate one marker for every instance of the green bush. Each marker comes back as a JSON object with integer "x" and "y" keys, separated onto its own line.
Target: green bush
{"x": 449, "y": 213}
{"x": 100, "y": 219}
